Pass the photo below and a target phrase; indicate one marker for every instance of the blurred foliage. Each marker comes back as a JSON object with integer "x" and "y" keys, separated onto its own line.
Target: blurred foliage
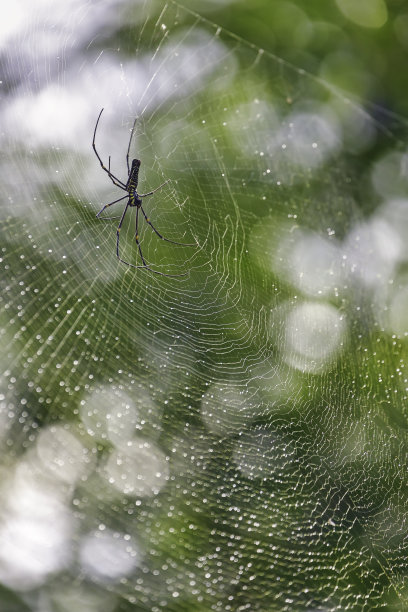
{"x": 369, "y": 62}
{"x": 262, "y": 469}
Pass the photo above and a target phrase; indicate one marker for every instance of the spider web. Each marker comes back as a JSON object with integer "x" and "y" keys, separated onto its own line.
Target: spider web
{"x": 235, "y": 438}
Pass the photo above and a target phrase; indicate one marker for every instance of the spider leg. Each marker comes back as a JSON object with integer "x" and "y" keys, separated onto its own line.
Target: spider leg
{"x": 137, "y": 238}
{"x": 144, "y": 266}
{"x": 118, "y": 230}
{"x": 110, "y": 204}
{"x": 143, "y": 195}
{"x": 159, "y": 234}
{"x": 130, "y": 142}
{"x": 112, "y": 177}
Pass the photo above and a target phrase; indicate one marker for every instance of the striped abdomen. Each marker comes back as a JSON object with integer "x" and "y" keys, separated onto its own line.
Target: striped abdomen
{"x": 133, "y": 179}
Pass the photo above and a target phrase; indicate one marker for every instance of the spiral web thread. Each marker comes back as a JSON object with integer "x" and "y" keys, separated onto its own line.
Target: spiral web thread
{"x": 234, "y": 438}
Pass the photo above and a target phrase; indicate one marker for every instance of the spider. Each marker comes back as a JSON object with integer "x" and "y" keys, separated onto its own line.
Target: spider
{"x": 133, "y": 199}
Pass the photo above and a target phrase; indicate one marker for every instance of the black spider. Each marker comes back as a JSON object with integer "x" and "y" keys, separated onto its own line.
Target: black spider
{"x": 133, "y": 199}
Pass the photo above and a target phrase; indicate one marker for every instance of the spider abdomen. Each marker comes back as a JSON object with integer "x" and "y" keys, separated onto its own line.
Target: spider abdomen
{"x": 133, "y": 177}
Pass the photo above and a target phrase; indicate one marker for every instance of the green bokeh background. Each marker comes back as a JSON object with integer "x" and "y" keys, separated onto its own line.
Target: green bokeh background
{"x": 369, "y": 62}
{"x": 325, "y": 529}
